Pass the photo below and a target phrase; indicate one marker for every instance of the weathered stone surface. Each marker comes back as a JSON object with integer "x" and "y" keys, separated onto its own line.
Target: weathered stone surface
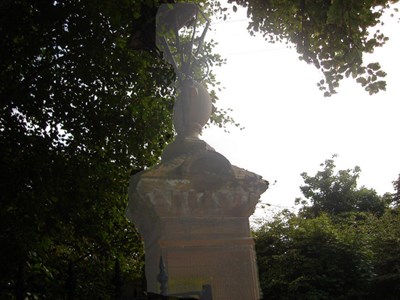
{"x": 192, "y": 109}
{"x": 193, "y": 210}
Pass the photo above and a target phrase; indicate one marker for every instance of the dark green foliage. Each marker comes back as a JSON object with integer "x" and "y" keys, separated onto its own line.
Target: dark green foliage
{"x": 311, "y": 259}
{"x": 386, "y": 248}
{"x": 396, "y": 195}
{"x": 343, "y": 245}
{"x": 337, "y": 194}
{"x": 79, "y": 109}
{"x": 332, "y": 35}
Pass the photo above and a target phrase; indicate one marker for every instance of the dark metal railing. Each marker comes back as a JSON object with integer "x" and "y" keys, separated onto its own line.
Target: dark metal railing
{"x": 118, "y": 286}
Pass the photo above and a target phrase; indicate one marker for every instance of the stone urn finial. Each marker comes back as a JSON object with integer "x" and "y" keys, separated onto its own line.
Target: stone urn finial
{"x": 180, "y": 33}
{"x": 192, "y": 110}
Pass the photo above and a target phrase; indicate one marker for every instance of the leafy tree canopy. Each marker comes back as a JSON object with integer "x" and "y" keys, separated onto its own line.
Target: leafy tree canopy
{"x": 337, "y": 193}
{"x": 311, "y": 259}
{"x": 396, "y": 195}
{"x": 320, "y": 258}
{"x": 344, "y": 245}
{"x": 80, "y": 108}
{"x": 331, "y": 34}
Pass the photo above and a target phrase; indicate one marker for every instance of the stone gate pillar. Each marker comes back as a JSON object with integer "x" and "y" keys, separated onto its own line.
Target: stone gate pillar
{"x": 193, "y": 210}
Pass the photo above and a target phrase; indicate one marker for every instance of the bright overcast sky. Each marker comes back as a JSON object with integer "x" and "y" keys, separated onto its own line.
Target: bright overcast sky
{"x": 290, "y": 127}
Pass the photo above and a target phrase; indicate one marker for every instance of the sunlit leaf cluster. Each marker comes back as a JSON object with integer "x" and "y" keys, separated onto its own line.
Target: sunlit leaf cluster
{"x": 333, "y": 35}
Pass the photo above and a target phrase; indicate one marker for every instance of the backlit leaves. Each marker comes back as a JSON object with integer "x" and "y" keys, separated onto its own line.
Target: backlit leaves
{"x": 331, "y": 35}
